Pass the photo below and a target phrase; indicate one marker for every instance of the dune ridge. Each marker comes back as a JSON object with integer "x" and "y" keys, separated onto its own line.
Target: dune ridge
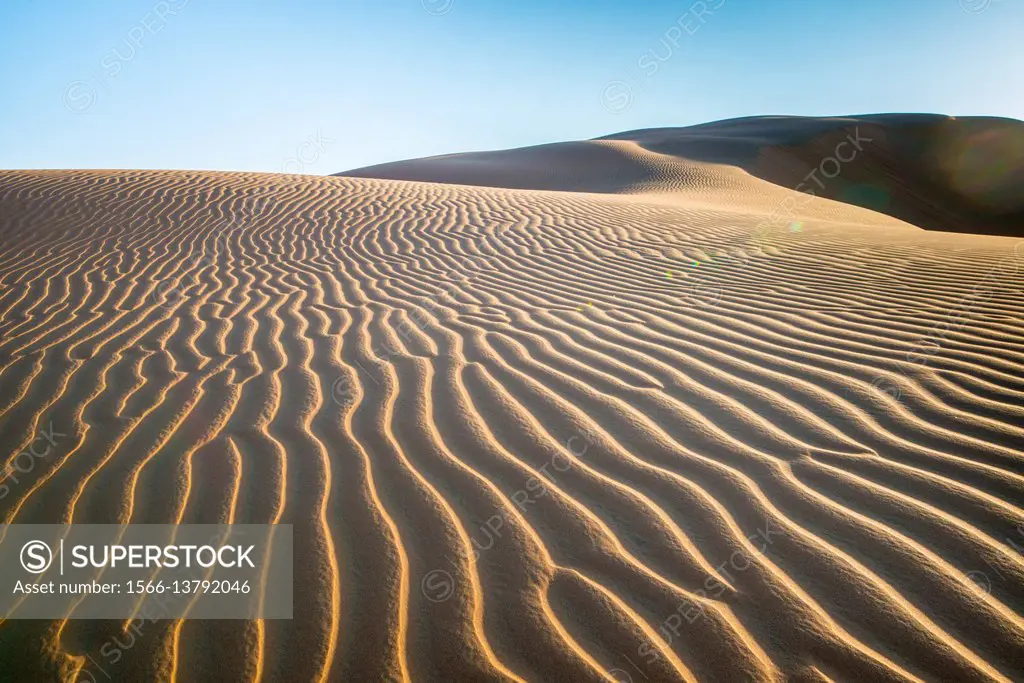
{"x": 525, "y": 435}
{"x": 947, "y": 173}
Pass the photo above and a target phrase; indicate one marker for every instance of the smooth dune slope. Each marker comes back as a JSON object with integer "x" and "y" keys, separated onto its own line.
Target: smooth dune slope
{"x": 525, "y": 435}
{"x": 955, "y": 174}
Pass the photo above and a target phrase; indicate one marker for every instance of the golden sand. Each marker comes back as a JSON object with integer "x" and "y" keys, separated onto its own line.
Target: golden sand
{"x": 524, "y": 434}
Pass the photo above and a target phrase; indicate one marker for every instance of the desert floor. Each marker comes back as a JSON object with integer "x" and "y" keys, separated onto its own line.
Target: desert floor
{"x": 523, "y": 434}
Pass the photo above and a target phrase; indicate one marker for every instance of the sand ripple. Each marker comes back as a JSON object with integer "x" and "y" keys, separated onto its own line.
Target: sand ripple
{"x": 522, "y": 435}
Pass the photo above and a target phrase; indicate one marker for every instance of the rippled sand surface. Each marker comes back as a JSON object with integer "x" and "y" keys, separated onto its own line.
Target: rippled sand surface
{"x": 523, "y": 434}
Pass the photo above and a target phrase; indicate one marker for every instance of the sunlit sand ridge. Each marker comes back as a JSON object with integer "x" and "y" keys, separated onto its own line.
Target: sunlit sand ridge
{"x": 524, "y": 434}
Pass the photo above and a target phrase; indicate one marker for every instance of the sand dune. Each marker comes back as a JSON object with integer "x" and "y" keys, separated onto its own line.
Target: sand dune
{"x": 960, "y": 174}
{"x": 527, "y": 435}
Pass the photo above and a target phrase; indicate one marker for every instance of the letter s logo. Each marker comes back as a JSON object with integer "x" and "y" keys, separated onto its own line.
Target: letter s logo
{"x": 36, "y": 557}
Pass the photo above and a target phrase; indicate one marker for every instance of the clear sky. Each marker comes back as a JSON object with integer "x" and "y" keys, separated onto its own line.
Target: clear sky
{"x": 321, "y": 87}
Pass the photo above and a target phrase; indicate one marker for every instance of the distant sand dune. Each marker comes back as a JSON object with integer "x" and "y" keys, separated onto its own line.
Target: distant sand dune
{"x": 525, "y": 435}
{"x": 960, "y": 174}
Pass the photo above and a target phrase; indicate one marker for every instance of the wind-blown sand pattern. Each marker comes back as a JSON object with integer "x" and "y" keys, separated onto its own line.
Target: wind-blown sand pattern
{"x": 525, "y": 435}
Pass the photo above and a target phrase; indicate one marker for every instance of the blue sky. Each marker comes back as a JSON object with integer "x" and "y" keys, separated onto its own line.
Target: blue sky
{"x": 321, "y": 87}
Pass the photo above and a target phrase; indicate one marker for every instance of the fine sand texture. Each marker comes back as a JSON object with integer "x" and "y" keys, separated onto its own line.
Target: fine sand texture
{"x": 678, "y": 433}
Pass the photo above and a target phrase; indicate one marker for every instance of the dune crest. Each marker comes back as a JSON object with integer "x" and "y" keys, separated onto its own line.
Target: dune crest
{"x": 527, "y": 435}
{"x": 954, "y": 174}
